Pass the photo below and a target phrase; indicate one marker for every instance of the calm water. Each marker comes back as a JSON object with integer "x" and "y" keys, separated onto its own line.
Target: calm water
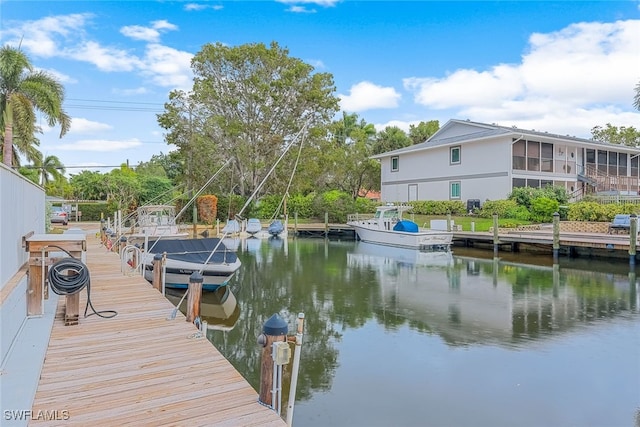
{"x": 402, "y": 338}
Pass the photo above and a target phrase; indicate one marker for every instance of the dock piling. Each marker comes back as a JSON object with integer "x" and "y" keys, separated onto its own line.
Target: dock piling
{"x": 496, "y": 239}
{"x": 157, "y": 272}
{"x": 633, "y": 237}
{"x": 556, "y": 236}
{"x": 273, "y": 331}
{"x": 194, "y": 297}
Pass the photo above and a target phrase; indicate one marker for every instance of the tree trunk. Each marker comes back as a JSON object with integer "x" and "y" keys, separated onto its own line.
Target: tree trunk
{"x": 7, "y": 146}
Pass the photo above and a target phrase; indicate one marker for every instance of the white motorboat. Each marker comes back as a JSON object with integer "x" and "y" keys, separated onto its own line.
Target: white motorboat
{"x": 153, "y": 222}
{"x": 254, "y": 226}
{"x": 216, "y": 262}
{"x": 387, "y": 227}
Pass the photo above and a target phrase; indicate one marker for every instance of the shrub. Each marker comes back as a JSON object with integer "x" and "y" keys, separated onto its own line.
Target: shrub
{"x": 543, "y": 208}
{"x": 504, "y": 208}
{"x": 207, "y": 208}
{"x": 337, "y": 204}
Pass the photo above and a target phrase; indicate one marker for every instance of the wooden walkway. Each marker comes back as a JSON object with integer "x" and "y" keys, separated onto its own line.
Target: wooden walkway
{"x": 138, "y": 368}
{"x": 618, "y": 242}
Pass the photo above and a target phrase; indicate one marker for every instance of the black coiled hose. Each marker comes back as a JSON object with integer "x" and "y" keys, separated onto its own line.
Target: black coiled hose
{"x": 70, "y": 276}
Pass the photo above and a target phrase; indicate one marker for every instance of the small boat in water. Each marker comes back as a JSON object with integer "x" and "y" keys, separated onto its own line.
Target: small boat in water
{"x": 387, "y": 227}
{"x": 210, "y": 256}
{"x": 153, "y": 222}
{"x": 232, "y": 227}
{"x": 254, "y": 226}
{"x": 276, "y": 228}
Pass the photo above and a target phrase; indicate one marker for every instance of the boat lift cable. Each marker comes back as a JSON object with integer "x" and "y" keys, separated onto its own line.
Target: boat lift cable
{"x": 64, "y": 283}
{"x": 239, "y": 214}
{"x": 286, "y": 192}
{"x": 284, "y": 152}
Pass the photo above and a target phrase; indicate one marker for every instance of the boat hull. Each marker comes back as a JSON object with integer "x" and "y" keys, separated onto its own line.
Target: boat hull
{"x": 211, "y": 257}
{"x": 424, "y": 240}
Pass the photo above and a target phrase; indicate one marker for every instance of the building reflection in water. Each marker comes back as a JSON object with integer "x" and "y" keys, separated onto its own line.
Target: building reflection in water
{"x": 467, "y": 300}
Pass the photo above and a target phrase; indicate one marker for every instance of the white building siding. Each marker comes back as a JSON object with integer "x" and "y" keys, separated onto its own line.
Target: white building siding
{"x": 483, "y": 172}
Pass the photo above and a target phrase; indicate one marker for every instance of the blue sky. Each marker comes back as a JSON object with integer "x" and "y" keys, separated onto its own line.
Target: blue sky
{"x": 561, "y": 67}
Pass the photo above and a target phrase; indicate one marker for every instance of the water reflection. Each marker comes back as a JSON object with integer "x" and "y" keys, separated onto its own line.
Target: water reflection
{"x": 218, "y": 308}
{"x": 387, "y": 322}
{"x": 469, "y": 300}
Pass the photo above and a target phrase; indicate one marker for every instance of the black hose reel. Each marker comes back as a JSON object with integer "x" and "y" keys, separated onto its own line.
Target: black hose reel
{"x": 70, "y": 276}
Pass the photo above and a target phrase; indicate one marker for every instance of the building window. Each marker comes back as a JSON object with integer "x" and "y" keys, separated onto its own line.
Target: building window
{"x": 518, "y": 182}
{"x": 546, "y": 157}
{"x": 519, "y": 155}
{"x": 454, "y": 190}
{"x": 533, "y": 156}
{"x": 394, "y": 164}
{"x": 454, "y": 155}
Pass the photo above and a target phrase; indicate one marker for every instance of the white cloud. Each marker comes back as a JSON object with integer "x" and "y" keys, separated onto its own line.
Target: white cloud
{"x": 99, "y": 145}
{"x": 569, "y": 80}
{"x": 105, "y": 58}
{"x": 41, "y": 37}
{"x": 148, "y": 34}
{"x": 366, "y": 96}
{"x": 138, "y": 32}
{"x": 128, "y": 92}
{"x": 323, "y": 3}
{"x": 300, "y": 9}
{"x": 200, "y": 6}
{"x": 82, "y": 125}
{"x": 168, "y": 67}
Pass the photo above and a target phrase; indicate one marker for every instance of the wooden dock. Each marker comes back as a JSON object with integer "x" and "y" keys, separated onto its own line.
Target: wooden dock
{"x": 138, "y": 368}
{"x": 570, "y": 243}
{"x": 342, "y": 231}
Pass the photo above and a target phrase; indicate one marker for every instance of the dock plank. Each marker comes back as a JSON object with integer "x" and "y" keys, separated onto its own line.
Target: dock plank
{"x": 140, "y": 367}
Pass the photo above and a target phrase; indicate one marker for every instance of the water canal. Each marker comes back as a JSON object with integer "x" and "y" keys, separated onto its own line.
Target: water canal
{"x": 404, "y": 338}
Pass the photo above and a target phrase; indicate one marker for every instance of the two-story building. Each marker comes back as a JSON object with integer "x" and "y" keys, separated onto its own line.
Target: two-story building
{"x": 467, "y": 160}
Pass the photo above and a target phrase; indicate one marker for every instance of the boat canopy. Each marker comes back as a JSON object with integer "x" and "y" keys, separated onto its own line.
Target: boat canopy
{"x": 194, "y": 250}
{"x": 406, "y": 225}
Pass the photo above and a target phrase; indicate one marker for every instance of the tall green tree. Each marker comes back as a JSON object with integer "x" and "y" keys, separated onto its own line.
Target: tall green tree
{"x": 622, "y": 135}
{"x": 423, "y": 131}
{"x": 348, "y": 160}
{"x": 389, "y": 139}
{"x": 24, "y": 91}
{"x": 247, "y": 104}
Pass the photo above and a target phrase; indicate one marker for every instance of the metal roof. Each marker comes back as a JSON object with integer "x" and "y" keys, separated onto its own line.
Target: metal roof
{"x": 487, "y": 131}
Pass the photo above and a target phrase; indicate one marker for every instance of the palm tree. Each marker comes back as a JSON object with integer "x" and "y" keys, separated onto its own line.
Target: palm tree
{"x": 51, "y": 169}
{"x": 22, "y": 92}
{"x": 636, "y": 98}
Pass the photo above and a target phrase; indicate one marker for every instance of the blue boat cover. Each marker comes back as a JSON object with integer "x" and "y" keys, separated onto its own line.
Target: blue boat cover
{"x": 406, "y": 225}
{"x": 193, "y": 250}
{"x": 276, "y": 227}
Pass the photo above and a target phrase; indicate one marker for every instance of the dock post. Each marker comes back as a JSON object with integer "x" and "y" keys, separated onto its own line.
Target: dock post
{"x": 556, "y": 236}
{"x": 448, "y": 222}
{"x": 295, "y": 223}
{"x": 295, "y": 369}
{"x": 274, "y": 330}
{"x": 157, "y": 272}
{"x": 633, "y": 237}
{"x": 326, "y": 224}
{"x": 473, "y": 226}
{"x": 123, "y": 244}
{"x": 194, "y": 297}
{"x": 103, "y": 232}
{"x": 495, "y": 235}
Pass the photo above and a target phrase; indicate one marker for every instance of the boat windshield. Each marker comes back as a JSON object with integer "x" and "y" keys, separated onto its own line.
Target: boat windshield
{"x": 389, "y": 213}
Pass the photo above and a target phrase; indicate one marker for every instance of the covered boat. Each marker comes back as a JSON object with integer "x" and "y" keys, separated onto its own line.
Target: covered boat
{"x": 216, "y": 262}
{"x": 253, "y": 226}
{"x": 276, "y": 228}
